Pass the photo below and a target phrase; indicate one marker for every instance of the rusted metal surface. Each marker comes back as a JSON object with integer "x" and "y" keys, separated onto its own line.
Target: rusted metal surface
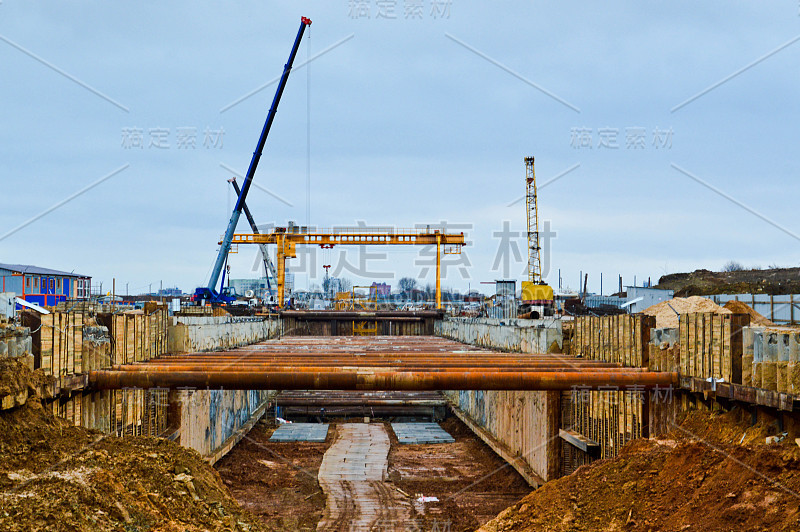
{"x": 377, "y": 363}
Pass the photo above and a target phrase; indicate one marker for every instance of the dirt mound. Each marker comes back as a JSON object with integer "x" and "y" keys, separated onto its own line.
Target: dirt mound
{"x": 685, "y": 482}
{"x": 16, "y": 378}
{"x": 666, "y": 312}
{"x": 55, "y": 476}
{"x": 774, "y": 281}
{"x": 756, "y": 319}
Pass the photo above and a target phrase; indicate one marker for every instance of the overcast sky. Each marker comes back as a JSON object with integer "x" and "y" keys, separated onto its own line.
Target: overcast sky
{"x": 676, "y": 124}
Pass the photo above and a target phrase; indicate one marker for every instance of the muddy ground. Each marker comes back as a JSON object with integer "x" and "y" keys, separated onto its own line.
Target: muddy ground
{"x": 471, "y": 482}
{"x": 278, "y": 481}
{"x": 697, "y": 478}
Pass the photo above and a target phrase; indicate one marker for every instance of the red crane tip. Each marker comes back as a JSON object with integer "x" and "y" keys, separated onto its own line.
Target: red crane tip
{"x": 306, "y": 21}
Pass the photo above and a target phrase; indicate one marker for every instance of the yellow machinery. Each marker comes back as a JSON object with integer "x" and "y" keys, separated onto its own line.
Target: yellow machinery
{"x": 353, "y": 301}
{"x": 287, "y": 240}
{"x": 535, "y": 293}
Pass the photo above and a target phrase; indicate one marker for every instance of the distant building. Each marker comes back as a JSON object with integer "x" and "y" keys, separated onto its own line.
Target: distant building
{"x": 170, "y": 292}
{"x": 43, "y": 286}
{"x": 640, "y": 298}
{"x": 380, "y": 290}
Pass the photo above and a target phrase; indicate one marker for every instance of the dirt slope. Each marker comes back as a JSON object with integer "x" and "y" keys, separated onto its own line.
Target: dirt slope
{"x": 673, "y": 484}
{"x": 704, "y": 282}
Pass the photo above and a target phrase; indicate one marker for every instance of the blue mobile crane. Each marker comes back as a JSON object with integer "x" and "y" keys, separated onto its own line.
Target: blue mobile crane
{"x": 224, "y": 296}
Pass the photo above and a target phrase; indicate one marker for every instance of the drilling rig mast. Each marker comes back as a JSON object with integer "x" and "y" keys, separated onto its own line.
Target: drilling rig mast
{"x": 537, "y": 296}
{"x": 532, "y": 207}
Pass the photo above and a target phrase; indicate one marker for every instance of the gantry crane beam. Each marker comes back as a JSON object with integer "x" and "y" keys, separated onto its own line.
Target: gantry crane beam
{"x": 287, "y": 241}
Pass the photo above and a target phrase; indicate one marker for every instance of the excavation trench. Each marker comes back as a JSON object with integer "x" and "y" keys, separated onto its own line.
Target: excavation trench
{"x": 361, "y": 478}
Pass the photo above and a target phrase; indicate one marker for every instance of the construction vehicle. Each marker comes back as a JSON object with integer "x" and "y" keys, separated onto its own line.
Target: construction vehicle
{"x": 537, "y": 296}
{"x": 224, "y": 297}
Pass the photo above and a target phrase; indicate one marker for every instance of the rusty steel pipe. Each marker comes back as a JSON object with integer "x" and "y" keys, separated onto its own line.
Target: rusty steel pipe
{"x": 399, "y": 380}
{"x": 146, "y": 368}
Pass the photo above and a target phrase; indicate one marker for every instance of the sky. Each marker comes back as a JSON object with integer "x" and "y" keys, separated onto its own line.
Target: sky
{"x": 665, "y": 135}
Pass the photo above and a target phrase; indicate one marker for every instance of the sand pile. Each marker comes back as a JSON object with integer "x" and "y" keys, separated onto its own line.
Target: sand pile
{"x": 756, "y": 319}
{"x": 666, "y": 312}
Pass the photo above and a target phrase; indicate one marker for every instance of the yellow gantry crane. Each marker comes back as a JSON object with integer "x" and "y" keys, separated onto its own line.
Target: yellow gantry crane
{"x": 287, "y": 240}
{"x": 535, "y": 292}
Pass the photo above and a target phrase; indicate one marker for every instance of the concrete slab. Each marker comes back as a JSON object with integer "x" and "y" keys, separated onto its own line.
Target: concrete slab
{"x": 417, "y": 433}
{"x": 310, "y": 432}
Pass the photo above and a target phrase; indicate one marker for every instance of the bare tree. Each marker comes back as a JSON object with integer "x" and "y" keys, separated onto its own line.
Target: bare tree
{"x": 732, "y": 266}
{"x": 407, "y": 284}
{"x": 345, "y": 283}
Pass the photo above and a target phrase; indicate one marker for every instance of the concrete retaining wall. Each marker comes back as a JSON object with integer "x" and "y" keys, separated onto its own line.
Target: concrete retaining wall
{"x": 523, "y": 336}
{"x": 206, "y": 333}
{"x": 522, "y": 427}
{"x": 213, "y": 421}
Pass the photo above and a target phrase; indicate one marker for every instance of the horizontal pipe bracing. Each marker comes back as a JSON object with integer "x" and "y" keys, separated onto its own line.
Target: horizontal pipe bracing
{"x": 155, "y": 368}
{"x": 382, "y": 380}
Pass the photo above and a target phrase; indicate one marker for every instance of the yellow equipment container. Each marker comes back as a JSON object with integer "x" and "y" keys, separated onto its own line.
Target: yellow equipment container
{"x": 537, "y": 294}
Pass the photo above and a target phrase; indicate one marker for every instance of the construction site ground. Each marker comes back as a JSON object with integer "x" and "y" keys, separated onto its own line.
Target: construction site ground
{"x": 712, "y": 472}
{"x": 277, "y": 482}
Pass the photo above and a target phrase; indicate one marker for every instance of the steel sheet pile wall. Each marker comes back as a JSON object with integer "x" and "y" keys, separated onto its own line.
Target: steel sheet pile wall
{"x": 608, "y": 418}
{"x": 130, "y": 412}
{"x": 774, "y": 357}
{"x": 614, "y": 417}
{"x": 520, "y": 336}
{"x": 621, "y": 339}
{"x": 711, "y": 345}
{"x": 68, "y": 344}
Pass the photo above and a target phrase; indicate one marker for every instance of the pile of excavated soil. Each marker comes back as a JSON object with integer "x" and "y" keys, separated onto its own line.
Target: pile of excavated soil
{"x": 756, "y": 319}
{"x": 703, "y": 282}
{"x": 54, "y": 476}
{"x": 700, "y": 478}
{"x": 667, "y": 312}
{"x": 16, "y": 377}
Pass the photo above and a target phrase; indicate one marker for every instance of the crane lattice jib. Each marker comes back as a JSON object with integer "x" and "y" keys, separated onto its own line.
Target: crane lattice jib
{"x": 532, "y": 207}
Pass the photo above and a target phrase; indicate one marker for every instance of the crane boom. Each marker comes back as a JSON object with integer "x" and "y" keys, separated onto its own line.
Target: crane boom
{"x": 209, "y": 292}
{"x": 269, "y": 268}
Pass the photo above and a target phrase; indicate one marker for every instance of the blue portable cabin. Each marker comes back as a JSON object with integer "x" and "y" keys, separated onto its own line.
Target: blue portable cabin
{"x": 43, "y": 286}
